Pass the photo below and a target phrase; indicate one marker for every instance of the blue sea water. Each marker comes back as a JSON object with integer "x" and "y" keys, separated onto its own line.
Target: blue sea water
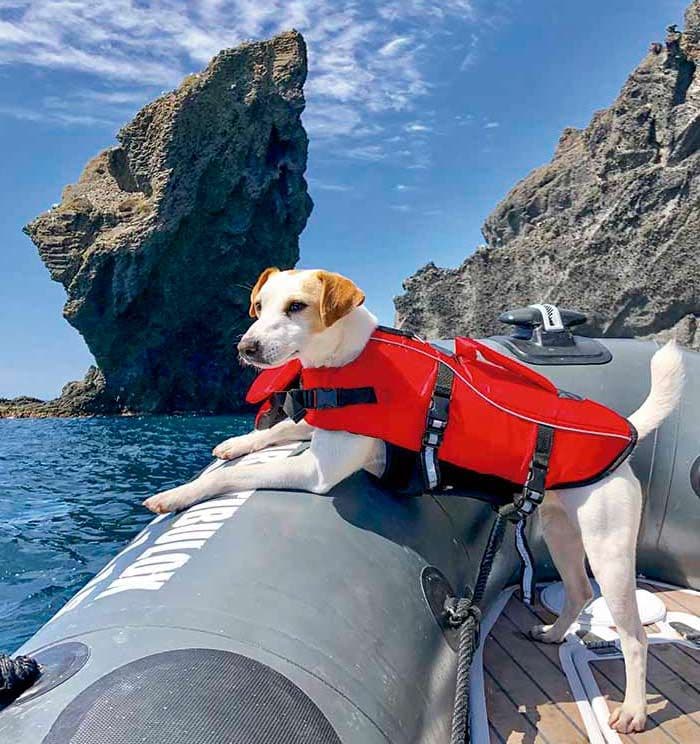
{"x": 70, "y": 498}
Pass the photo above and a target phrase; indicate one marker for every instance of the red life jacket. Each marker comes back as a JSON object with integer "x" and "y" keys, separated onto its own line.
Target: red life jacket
{"x": 476, "y": 409}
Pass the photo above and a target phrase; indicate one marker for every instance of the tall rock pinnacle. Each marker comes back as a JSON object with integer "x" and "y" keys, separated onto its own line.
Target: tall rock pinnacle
{"x": 157, "y": 241}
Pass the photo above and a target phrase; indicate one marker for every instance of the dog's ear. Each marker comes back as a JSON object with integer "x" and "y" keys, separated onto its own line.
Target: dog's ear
{"x": 258, "y": 286}
{"x": 338, "y": 297}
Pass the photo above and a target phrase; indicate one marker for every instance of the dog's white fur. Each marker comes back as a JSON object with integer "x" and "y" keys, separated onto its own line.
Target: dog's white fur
{"x": 600, "y": 521}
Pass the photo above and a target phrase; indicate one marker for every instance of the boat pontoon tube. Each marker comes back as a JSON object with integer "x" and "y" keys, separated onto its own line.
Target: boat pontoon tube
{"x": 284, "y": 617}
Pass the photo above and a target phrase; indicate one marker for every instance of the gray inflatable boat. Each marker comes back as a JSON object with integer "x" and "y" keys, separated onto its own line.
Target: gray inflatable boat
{"x": 285, "y": 617}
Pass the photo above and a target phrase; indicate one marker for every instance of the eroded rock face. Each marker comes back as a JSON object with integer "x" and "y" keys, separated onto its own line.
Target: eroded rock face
{"x": 611, "y": 226}
{"x": 158, "y": 241}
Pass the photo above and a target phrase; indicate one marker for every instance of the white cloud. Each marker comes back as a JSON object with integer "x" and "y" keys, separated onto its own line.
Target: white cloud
{"x": 114, "y": 97}
{"x": 492, "y": 124}
{"x": 365, "y": 60}
{"x": 21, "y": 113}
{"x": 325, "y": 186}
{"x": 426, "y": 9}
{"x": 369, "y": 153}
{"x": 60, "y": 117}
{"x": 464, "y": 120}
{"x": 393, "y": 47}
{"x": 472, "y": 54}
{"x": 416, "y": 126}
{"x": 332, "y": 120}
{"x": 83, "y": 107}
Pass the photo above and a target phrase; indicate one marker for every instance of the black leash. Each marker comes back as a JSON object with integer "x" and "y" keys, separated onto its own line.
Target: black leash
{"x": 16, "y": 676}
{"x": 465, "y": 613}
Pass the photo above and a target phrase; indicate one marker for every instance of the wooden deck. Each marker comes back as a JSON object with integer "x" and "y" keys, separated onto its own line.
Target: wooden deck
{"x": 528, "y": 696}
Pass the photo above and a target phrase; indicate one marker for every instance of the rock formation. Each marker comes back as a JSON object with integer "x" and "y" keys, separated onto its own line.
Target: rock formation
{"x": 86, "y": 397}
{"x": 158, "y": 242}
{"x": 611, "y": 226}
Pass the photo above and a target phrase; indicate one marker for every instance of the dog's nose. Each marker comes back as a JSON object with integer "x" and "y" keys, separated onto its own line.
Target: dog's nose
{"x": 249, "y": 348}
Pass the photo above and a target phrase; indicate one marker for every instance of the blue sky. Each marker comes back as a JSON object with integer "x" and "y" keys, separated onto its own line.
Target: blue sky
{"x": 422, "y": 115}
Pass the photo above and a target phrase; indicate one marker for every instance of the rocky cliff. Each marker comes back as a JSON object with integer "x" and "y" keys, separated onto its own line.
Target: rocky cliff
{"x": 158, "y": 242}
{"x": 611, "y": 226}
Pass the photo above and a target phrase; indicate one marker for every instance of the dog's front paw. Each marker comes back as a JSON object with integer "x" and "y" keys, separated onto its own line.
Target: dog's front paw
{"x": 159, "y": 504}
{"x": 545, "y": 634}
{"x": 170, "y": 501}
{"x": 232, "y": 448}
{"x": 628, "y": 719}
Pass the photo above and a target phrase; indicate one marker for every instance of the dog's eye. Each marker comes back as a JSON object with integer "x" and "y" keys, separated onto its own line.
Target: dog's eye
{"x": 296, "y": 306}
{"x": 258, "y": 307}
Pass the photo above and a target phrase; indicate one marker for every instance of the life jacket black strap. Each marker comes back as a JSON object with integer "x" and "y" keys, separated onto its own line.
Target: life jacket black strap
{"x": 435, "y": 425}
{"x": 298, "y": 401}
{"x": 526, "y": 502}
{"x": 533, "y": 490}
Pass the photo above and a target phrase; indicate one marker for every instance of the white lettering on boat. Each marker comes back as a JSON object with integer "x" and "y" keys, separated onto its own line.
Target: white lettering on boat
{"x": 172, "y": 550}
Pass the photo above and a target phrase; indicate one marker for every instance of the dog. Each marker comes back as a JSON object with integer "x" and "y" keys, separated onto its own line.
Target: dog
{"x": 319, "y": 318}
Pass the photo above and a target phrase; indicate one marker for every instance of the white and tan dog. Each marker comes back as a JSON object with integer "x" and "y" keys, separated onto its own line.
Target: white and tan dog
{"x": 318, "y": 317}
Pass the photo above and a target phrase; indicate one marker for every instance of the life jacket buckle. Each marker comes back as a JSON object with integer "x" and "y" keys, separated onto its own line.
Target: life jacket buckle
{"x": 536, "y": 479}
{"x": 526, "y": 505}
{"x": 533, "y": 491}
{"x": 438, "y": 411}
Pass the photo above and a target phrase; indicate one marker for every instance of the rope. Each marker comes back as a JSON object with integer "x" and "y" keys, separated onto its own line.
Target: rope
{"x": 465, "y": 614}
{"x": 468, "y": 643}
{"x": 498, "y": 530}
{"x": 16, "y": 675}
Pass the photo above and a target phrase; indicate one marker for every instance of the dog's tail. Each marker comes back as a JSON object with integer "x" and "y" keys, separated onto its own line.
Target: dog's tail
{"x": 667, "y": 378}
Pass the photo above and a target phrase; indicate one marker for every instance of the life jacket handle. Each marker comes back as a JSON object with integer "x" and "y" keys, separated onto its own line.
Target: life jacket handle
{"x": 468, "y": 347}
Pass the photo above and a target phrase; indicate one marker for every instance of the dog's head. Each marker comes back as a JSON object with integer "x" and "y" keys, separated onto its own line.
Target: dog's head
{"x": 294, "y": 310}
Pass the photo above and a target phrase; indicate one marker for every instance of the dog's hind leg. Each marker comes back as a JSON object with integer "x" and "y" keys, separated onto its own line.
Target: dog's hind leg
{"x": 608, "y": 516}
{"x": 566, "y": 548}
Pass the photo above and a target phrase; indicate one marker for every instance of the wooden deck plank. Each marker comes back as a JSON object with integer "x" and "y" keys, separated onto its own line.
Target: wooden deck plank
{"x": 535, "y": 659}
{"x": 654, "y": 733}
{"x": 671, "y": 682}
{"x": 674, "y": 599}
{"x": 532, "y": 701}
{"x": 662, "y": 709}
{"x": 685, "y": 663}
{"x": 524, "y": 618}
{"x": 529, "y": 699}
{"x": 505, "y": 722}
{"x": 540, "y": 613}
